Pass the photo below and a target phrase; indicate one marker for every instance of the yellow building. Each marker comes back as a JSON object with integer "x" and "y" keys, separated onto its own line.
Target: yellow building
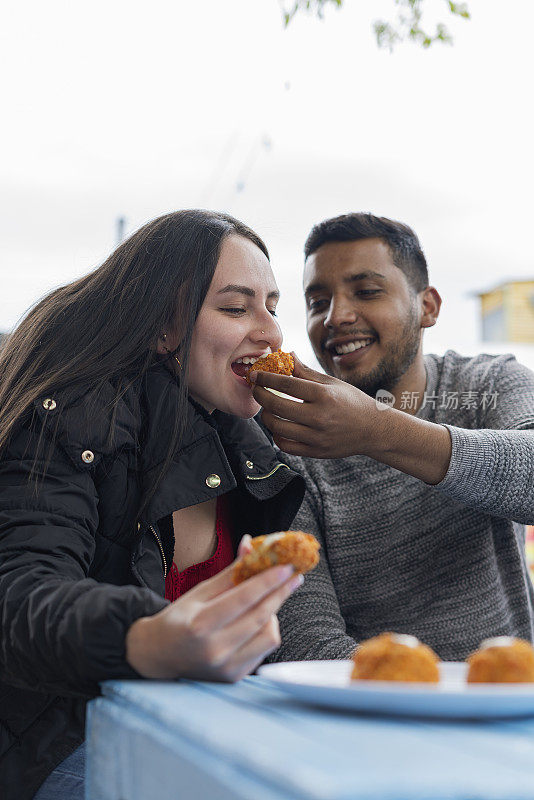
{"x": 508, "y": 312}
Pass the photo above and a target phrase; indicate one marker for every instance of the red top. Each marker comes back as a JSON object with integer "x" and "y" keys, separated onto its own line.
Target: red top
{"x": 178, "y": 583}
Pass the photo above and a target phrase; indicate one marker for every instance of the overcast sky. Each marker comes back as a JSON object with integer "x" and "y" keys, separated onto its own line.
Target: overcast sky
{"x": 136, "y": 108}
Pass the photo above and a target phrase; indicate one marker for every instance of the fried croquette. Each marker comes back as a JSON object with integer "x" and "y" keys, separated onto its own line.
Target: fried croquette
{"x": 502, "y": 659}
{"x": 279, "y": 362}
{"x": 285, "y": 547}
{"x": 395, "y": 657}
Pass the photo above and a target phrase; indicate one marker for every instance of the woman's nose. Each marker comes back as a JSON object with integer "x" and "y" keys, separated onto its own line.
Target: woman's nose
{"x": 268, "y": 331}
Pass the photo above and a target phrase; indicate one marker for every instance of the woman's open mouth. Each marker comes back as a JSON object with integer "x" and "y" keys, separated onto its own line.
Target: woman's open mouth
{"x": 240, "y": 369}
{"x": 241, "y": 366}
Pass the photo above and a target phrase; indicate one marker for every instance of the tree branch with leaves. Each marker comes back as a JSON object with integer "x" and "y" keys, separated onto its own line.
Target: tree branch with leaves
{"x": 408, "y": 24}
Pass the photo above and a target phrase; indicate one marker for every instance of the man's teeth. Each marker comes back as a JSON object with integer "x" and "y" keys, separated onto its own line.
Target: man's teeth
{"x": 350, "y": 347}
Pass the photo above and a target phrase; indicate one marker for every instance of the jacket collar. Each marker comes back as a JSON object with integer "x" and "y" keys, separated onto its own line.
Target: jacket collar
{"x": 218, "y": 452}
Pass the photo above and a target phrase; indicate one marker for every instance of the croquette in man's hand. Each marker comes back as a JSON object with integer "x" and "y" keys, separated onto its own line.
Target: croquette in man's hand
{"x": 279, "y": 362}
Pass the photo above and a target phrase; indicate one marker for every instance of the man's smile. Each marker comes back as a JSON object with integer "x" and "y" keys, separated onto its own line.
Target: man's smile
{"x": 345, "y": 350}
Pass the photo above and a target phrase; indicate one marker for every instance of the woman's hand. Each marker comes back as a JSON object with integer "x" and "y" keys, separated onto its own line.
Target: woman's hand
{"x": 216, "y": 631}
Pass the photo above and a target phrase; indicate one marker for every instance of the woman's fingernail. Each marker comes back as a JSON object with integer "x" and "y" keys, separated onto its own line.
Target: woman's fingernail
{"x": 297, "y": 581}
{"x": 284, "y": 572}
{"x": 252, "y": 374}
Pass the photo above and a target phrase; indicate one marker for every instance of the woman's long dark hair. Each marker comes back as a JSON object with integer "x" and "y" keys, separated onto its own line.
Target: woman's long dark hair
{"x": 105, "y": 326}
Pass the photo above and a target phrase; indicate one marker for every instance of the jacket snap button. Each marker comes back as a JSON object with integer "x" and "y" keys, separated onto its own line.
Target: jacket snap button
{"x": 249, "y": 464}
{"x": 49, "y": 404}
{"x": 213, "y": 481}
{"x": 88, "y": 457}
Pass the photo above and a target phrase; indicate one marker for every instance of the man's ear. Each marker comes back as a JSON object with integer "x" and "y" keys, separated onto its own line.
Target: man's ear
{"x": 430, "y": 306}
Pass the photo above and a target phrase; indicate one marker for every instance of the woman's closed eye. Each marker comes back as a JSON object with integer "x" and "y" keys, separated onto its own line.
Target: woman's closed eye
{"x": 235, "y": 310}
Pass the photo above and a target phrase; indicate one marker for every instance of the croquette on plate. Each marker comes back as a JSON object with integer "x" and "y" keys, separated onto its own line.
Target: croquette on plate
{"x": 395, "y": 657}
{"x": 502, "y": 659}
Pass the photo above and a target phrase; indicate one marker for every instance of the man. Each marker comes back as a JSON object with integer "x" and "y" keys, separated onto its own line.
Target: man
{"x": 419, "y": 502}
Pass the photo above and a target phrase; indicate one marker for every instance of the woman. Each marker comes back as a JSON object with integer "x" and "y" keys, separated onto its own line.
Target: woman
{"x": 129, "y": 471}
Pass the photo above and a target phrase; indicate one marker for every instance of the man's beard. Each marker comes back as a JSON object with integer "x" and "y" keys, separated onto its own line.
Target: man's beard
{"x": 393, "y": 365}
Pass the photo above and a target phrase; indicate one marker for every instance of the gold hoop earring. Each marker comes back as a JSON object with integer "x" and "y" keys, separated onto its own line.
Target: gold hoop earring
{"x": 175, "y": 357}
{"x": 163, "y": 339}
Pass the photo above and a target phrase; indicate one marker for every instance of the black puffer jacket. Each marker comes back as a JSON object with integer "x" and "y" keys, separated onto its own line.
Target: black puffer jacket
{"x": 77, "y": 568}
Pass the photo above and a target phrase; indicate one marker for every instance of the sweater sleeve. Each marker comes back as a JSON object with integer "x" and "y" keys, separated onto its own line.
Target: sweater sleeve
{"x": 311, "y": 624}
{"x": 60, "y": 631}
{"x": 492, "y": 467}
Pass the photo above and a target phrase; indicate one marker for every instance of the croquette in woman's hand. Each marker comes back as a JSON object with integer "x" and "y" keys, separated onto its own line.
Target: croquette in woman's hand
{"x": 279, "y": 362}
{"x": 285, "y": 547}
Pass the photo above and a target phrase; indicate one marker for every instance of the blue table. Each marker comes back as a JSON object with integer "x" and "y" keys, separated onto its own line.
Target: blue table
{"x": 161, "y": 741}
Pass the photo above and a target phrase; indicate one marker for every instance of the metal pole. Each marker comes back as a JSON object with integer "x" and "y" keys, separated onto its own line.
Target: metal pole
{"x": 121, "y": 225}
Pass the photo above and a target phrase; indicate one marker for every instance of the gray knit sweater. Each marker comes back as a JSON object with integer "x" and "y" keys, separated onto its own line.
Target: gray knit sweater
{"x": 444, "y": 562}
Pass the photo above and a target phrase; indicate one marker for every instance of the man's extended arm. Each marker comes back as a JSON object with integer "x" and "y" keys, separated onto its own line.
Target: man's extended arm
{"x": 336, "y": 420}
{"x": 490, "y": 470}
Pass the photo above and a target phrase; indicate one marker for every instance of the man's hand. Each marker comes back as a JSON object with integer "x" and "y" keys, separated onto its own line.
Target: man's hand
{"x": 334, "y": 420}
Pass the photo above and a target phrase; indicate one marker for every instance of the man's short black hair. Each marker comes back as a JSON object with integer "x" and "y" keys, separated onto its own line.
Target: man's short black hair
{"x": 404, "y": 245}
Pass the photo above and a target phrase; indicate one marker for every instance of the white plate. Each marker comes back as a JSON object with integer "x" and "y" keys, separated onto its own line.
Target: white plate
{"x": 327, "y": 683}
